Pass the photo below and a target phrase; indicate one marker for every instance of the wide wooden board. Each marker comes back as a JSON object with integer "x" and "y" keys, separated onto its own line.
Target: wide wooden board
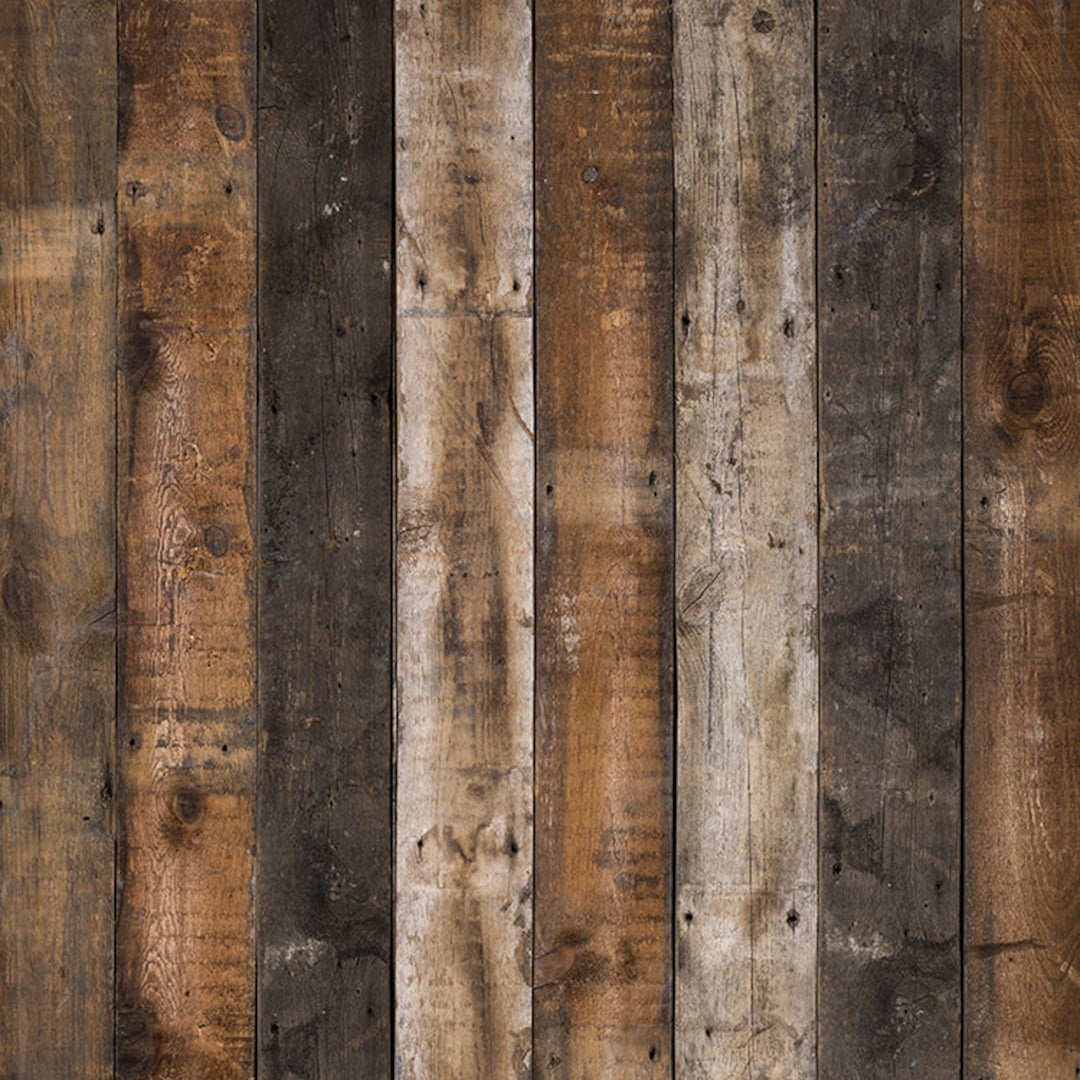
{"x": 746, "y": 550}
{"x": 186, "y": 206}
{"x": 326, "y": 522}
{"x": 891, "y": 671}
{"x": 1022, "y": 550}
{"x": 464, "y": 641}
{"x": 604, "y": 204}
{"x": 57, "y": 536}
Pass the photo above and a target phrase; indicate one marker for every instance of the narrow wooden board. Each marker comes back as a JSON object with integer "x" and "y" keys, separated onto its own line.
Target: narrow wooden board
{"x": 746, "y": 554}
{"x": 326, "y": 519}
{"x": 605, "y": 545}
{"x": 1022, "y": 550}
{"x": 186, "y": 204}
{"x": 891, "y": 671}
{"x": 57, "y": 537}
{"x": 465, "y": 538}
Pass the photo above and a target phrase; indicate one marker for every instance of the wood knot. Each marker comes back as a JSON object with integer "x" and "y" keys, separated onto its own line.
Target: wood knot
{"x": 230, "y": 122}
{"x": 137, "y": 1040}
{"x": 187, "y": 804}
{"x": 1025, "y": 394}
{"x": 19, "y": 592}
{"x": 763, "y": 22}
{"x": 216, "y": 540}
{"x": 25, "y": 604}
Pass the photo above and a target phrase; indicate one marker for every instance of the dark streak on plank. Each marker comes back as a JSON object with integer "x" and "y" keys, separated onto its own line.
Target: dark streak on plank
{"x": 57, "y": 537}
{"x": 889, "y": 318}
{"x": 605, "y": 544}
{"x": 1022, "y": 553}
{"x": 326, "y": 451}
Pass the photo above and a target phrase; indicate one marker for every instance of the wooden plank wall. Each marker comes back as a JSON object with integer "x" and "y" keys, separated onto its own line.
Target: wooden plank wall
{"x": 539, "y": 539}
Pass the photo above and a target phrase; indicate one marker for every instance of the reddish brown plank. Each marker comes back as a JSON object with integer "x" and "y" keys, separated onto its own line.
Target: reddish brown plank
{"x": 186, "y": 751}
{"x": 1022, "y": 550}
{"x": 604, "y": 196}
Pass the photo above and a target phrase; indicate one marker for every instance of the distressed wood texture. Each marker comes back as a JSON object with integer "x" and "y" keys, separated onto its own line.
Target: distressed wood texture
{"x": 465, "y": 538}
{"x": 746, "y": 554}
{"x": 57, "y": 537}
{"x": 325, "y": 611}
{"x": 186, "y": 206}
{"x": 605, "y": 557}
{"x": 891, "y": 663}
{"x": 1022, "y": 552}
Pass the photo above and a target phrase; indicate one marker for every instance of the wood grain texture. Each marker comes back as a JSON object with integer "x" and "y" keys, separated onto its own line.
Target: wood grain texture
{"x": 889, "y": 336}
{"x": 326, "y": 517}
{"x": 57, "y": 537}
{"x": 746, "y": 553}
{"x": 1022, "y": 552}
{"x": 465, "y": 538}
{"x": 605, "y": 546}
{"x": 186, "y": 204}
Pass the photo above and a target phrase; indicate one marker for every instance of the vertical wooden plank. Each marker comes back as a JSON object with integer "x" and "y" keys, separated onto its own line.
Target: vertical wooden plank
{"x": 605, "y": 547}
{"x": 326, "y": 460}
{"x": 891, "y": 673}
{"x": 1022, "y": 551}
{"x": 186, "y": 206}
{"x": 746, "y": 554}
{"x": 57, "y": 536}
{"x": 465, "y": 538}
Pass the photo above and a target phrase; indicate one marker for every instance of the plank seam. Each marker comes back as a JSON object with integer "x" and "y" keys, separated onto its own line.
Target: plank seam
{"x": 256, "y": 541}
{"x": 817, "y": 524}
{"x": 114, "y": 779}
{"x": 961, "y": 557}
{"x": 673, "y": 764}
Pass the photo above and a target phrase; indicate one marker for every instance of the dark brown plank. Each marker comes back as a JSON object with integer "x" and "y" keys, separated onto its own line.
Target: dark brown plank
{"x": 889, "y": 385}
{"x": 325, "y": 512}
{"x": 186, "y": 204}
{"x": 604, "y": 196}
{"x": 1022, "y": 551}
{"x": 57, "y": 536}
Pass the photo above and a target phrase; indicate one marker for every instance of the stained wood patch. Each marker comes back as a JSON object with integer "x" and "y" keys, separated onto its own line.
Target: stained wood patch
{"x": 326, "y": 519}
{"x": 465, "y": 538}
{"x": 746, "y": 569}
{"x": 186, "y": 204}
{"x": 1022, "y": 550}
{"x": 891, "y": 665}
{"x": 605, "y": 546}
{"x": 57, "y": 537}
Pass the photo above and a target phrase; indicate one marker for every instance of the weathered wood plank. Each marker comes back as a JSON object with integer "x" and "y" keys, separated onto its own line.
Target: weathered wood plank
{"x": 605, "y": 547}
{"x": 57, "y": 536}
{"x": 891, "y": 672}
{"x": 465, "y": 538}
{"x": 186, "y": 205}
{"x": 1022, "y": 551}
{"x": 746, "y": 551}
{"x": 326, "y": 518}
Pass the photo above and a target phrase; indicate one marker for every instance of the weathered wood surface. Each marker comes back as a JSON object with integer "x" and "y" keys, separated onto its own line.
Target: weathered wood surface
{"x": 889, "y": 335}
{"x": 326, "y": 520}
{"x": 186, "y": 205}
{"x": 1022, "y": 551}
{"x": 603, "y": 1004}
{"x": 465, "y": 538}
{"x": 57, "y": 537}
{"x": 746, "y": 552}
